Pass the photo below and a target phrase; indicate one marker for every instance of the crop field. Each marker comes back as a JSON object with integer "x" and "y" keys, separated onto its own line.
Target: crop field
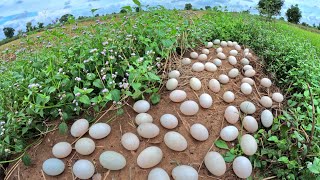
{"x": 99, "y": 70}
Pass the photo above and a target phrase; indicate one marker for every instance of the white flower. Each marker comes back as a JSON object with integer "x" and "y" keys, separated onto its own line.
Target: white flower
{"x": 93, "y": 50}
{"x": 77, "y": 79}
{"x": 133, "y": 54}
{"x": 77, "y": 94}
{"x": 105, "y": 90}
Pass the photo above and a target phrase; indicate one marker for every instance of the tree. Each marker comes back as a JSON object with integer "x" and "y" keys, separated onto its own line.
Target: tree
{"x": 281, "y": 18}
{"x": 188, "y": 6}
{"x": 29, "y": 26}
{"x": 40, "y": 25}
{"x": 65, "y": 18}
{"x": 207, "y": 7}
{"x": 270, "y": 8}
{"x": 304, "y": 24}
{"x": 138, "y": 9}
{"x": 123, "y": 11}
{"x": 293, "y": 14}
{"x": 8, "y": 32}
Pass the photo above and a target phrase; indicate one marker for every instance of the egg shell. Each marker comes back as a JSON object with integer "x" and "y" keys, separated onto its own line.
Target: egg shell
{"x": 231, "y": 114}
{"x": 178, "y": 95}
{"x": 246, "y": 88}
{"x": 230, "y": 43}
{"x": 266, "y": 118}
{"x": 130, "y": 141}
{"x": 99, "y": 130}
{"x": 209, "y": 45}
{"x": 172, "y": 84}
{"x": 53, "y": 166}
{"x": 214, "y": 85}
{"x": 248, "y": 107}
{"x": 215, "y": 163}
{"x": 148, "y": 130}
{"x": 205, "y": 100}
{"x": 224, "y": 79}
{"x": 265, "y": 82}
{"x": 205, "y": 51}
{"x": 194, "y": 55}
{"x": 228, "y": 97}
{"x": 186, "y": 61}
{"x": 195, "y": 83}
{"x": 246, "y": 50}
{"x": 233, "y": 73}
{"x": 219, "y": 49}
{"x": 141, "y": 106}
{"x": 216, "y": 41}
{"x": 158, "y": 174}
{"x": 202, "y": 57}
{"x": 221, "y": 55}
{"x": 247, "y": 80}
{"x": 149, "y": 157}
{"x": 199, "y": 132}
{"x": 217, "y": 62}
{"x": 143, "y": 118}
{"x": 242, "y": 167}
{"x": 250, "y": 124}
{"x": 97, "y": 176}
{"x": 245, "y": 61}
{"x": 184, "y": 172}
{"x": 169, "y": 121}
{"x": 246, "y": 67}
{"x": 266, "y": 101}
{"x": 61, "y": 149}
{"x": 112, "y": 160}
{"x": 175, "y": 141}
{"x": 233, "y": 52}
{"x": 249, "y": 73}
{"x": 189, "y": 108}
{"x": 249, "y": 55}
{"x": 277, "y": 97}
{"x": 232, "y": 60}
{"x": 237, "y": 47}
{"x": 83, "y": 169}
{"x": 85, "y": 146}
{"x": 79, "y": 127}
{"x": 223, "y": 43}
{"x": 229, "y": 133}
{"x": 234, "y": 43}
{"x": 209, "y": 66}
{"x": 197, "y": 67}
{"x": 174, "y": 74}
{"x": 248, "y": 144}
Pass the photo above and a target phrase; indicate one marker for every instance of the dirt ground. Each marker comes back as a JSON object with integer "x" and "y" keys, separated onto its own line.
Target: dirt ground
{"x": 212, "y": 118}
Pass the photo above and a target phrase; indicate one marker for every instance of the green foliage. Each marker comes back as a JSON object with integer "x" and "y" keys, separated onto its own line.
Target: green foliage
{"x": 65, "y": 18}
{"x": 270, "y": 8}
{"x": 29, "y": 26}
{"x": 294, "y": 14}
{"x": 188, "y": 6}
{"x": 221, "y": 144}
{"x": 207, "y": 7}
{"x": 40, "y": 25}
{"x": 26, "y": 160}
{"x": 8, "y": 32}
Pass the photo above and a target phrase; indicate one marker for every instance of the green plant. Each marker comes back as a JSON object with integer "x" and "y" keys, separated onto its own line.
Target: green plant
{"x": 294, "y": 14}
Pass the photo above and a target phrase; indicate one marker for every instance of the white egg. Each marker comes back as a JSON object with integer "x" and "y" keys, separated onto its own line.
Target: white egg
{"x": 246, "y": 88}
{"x": 205, "y": 51}
{"x": 209, "y": 45}
{"x": 202, "y": 57}
{"x": 79, "y": 127}
{"x": 141, "y": 106}
{"x": 143, "y": 118}
{"x": 158, "y": 174}
{"x": 175, "y": 141}
{"x": 189, "y": 108}
{"x": 184, "y": 172}
{"x": 198, "y": 67}
{"x": 277, "y": 97}
{"x": 217, "y": 62}
{"x": 228, "y": 96}
{"x": 97, "y": 176}
{"x": 246, "y": 50}
{"x": 266, "y": 101}
{"x": 214, "y": 85}
{"x": 230, "y": 43}
{"x": 149, "y": 157}
{"x": 242, "y": 167}
{"x": 178, "y": 95}
{"x": 172, "y": 84}
{"x": 85, "y": 146}
{"x": 216, "y": 41}
{"x": 221, "y": 55}
{"x": 237, "y": 47}
{"x": 245, "y": 61}
{"x": 234, "y": 43}
{"x": 194, "y": 55}
{"x": 248, "y": 80}
{"x": 174, "y": 74}
{"x": 199, "y": 132}
{"x": 99, "y": 130}
{"x": 83, "y": 169}
{"x": 130, "y": 141}
{"x": 265, "y": 82}
{"x": 248, "y": 144}
{"x": 229, "y": 133}
{"x": 231, "y": 114}
{"x": 186, "y": 61}
{"x": 250, "y": 124}
{"x": 249, "y": 55}
{"x": 233, "y": 73}
{"x": 247, "y": 107}
{"x": 215, "y": 163}
{"x": 224, "y": 79}
{"x": 195, "y": 83}
{"x": 246, "y": 67}
{"x": 209, "y": 66}
{"x": 249, "y": 73}
{"x": 205, "y": 100}
{"x": 53, "y": 166}
{"x": 223, "y": 43}
{"x": 232, "y": 60}
{"x": 148, "y": 130}
{"x": 169, "y": 121}
{"x": 266, "y": 118}
{"x": 61, "y": 149}
{"x": 219, "y": 49}
{"x": 233, "y": 52}
{"x": 112, "y": 160}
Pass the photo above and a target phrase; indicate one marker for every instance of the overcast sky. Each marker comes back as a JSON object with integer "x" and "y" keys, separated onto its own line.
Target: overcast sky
{"x": 16, "y": 13}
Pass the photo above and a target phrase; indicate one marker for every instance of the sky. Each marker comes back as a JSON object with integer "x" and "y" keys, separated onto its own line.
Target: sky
{"x": 16, "y": 13}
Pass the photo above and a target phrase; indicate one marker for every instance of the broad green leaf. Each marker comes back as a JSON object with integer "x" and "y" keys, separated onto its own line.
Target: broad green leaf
{"x": 115, "y": 93}
{"x": 284, "y": 159}
{"x": 155, "y": 98}
{"x": 84, "y": 99}
{"x": 97, "y": 83}
{"x": 26, "y": 160}
{"x": 63, "y": 128}
{"x": 221, "y": 144}
{"x": 136, "y": 86}
{"x": 152, "y": 76}
{"x": 91, "y": 76}
{"x": 137, "y": 2}
{"x": 273, "y": 138}
{"x": 314, "y": 167}
{"x": 229, "y": 157}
